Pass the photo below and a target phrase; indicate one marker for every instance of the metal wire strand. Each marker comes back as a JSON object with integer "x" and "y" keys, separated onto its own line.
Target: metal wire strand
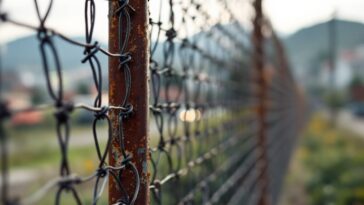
{"x": 208, "y": 142}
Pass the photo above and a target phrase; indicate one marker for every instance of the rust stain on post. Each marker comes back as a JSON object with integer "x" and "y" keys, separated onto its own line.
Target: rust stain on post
{"x": 258, "y": 65}
{"x": 135, "y": 127}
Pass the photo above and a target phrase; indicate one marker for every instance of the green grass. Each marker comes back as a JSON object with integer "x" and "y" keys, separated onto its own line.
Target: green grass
{"x": 328, "y": 167}
{"x": 37, "y": 149}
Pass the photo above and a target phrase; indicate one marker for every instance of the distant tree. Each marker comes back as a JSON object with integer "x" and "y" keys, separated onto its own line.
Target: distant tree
{"x": 335, "y": 99}
{"x": 356, "y": 81}
{"x": 37, "y": 96}
{"x": 82, "y": 88}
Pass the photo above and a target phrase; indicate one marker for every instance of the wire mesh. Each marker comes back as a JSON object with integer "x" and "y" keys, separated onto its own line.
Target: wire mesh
{"x": 205, "y": 93}
{"x": 200, "y": 73}
{"x": 67, "y": 181}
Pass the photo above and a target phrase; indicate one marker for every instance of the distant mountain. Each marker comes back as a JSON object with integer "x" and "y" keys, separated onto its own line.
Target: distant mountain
{"x": 304, "y": 47}
{"x": 308, "y": 44}
{"x": 24, "y": 53}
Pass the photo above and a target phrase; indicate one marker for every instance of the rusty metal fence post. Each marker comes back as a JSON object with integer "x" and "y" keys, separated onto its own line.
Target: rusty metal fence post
{"x": 258, "y": 66}
{"x": 128, "y": 35}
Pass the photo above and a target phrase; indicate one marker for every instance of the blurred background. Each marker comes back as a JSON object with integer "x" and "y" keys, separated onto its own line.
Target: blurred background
{"x": 325, "y": 43}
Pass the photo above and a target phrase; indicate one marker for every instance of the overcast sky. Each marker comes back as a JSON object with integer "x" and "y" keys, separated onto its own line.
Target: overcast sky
{"x": 287, "y": 16}
{"x": 290, "y": 15}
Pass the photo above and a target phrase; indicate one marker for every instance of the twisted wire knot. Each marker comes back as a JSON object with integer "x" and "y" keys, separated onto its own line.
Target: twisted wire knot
{"x": 127, "y": 159}
{"x": 161, "y": 144}
{"x": 91, "y": 51}
{"x": 101, "y": 172}
{"x": 127, "y": 112}
{"x": 171, "y": 34}
{"x": 123, "y": 4}
{"x": 44, "y": 33}
{"x": 63, "y": 111}
{"x": 102, "y": 113}
{"x": 4, "y": 110}
{"x": 67, "y": 184}
{"x": 124, "y": 58}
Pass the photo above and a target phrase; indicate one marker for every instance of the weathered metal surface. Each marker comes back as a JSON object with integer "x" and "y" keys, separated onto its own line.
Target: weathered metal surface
{"x": 135, "y": 127}
{"x": 258, "y": 65}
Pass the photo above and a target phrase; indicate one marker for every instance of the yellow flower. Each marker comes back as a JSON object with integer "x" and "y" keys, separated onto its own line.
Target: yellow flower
{"x": 89, "y": 166}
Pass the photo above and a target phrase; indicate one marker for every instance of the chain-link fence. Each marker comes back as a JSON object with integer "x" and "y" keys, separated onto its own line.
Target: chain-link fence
{"x": 224, "y": 109}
